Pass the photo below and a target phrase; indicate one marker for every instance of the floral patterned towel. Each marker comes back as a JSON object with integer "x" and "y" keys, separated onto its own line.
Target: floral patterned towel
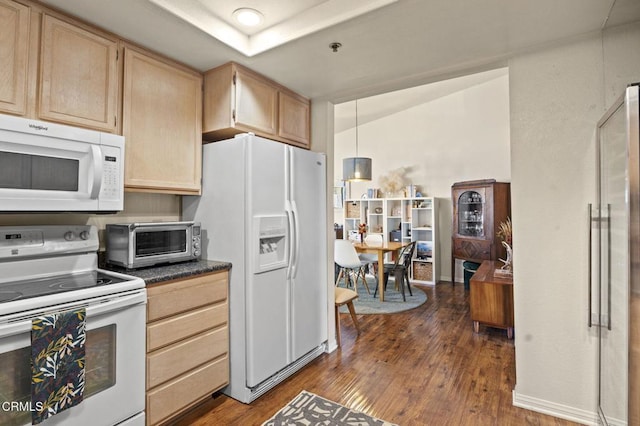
{"x": 57, "y": 362}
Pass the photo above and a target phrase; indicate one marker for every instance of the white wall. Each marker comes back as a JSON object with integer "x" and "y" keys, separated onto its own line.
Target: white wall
{"x": 322, "y": 113}
{"x": 557, "y": 95}
{"x": 461, "y": 136}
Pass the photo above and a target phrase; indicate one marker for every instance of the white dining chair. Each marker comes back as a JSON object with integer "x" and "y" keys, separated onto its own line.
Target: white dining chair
{"x": 370, "y": 260}
{"x": 346, "y": 257}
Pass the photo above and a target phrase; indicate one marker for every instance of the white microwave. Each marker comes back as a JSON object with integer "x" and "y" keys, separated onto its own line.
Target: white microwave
{"x": 47, "y": 167}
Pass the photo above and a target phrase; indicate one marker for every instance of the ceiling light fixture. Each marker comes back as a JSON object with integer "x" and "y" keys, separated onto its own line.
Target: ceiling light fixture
{"x": 356, "y": 168}
{"x": 248, "y": 17}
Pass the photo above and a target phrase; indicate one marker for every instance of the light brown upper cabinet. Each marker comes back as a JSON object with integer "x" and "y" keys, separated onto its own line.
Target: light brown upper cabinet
{"x": 294, "y": 116}
{"x": 161, "y": 122}
{"x": 14, "y": 50}
{"x": 256, "y": 103}
{"x": 79, "y": 76}
{"x": 239, "y": 100}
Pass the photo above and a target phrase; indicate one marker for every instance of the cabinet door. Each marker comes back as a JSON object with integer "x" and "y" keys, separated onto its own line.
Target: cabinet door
{"x": 14, "y": 33}
{"x": 491, "y": 303}
{"x": 162, "y": 111}
{"x": 79, "y": 78}
{"x": 256, "y": 103}
{"x": 472, "y": 210}
{"x": 294, "y": 119}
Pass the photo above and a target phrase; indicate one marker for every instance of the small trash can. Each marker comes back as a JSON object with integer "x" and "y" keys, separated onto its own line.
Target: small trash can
{"x": 469, "y": 269}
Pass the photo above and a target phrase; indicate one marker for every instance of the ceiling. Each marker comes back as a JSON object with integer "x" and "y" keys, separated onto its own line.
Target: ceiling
{"x": 375, "y": 107}
{"x": 403, "y": 44}
{"x": 281, "y": 22}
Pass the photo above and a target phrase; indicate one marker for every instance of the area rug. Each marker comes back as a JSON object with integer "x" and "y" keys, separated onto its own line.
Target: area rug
{"x": 367, "y": 304}
{"x": 308, "y": 409}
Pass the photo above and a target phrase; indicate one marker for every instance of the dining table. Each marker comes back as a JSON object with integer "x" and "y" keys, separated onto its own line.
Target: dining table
{"x": 380, "y": 249}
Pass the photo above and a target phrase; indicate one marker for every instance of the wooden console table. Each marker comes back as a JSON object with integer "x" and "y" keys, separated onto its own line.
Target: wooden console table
{"x": 491, "y": 298}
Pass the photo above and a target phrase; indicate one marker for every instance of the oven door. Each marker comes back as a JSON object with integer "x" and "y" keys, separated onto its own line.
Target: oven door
{"x": 166, "y": 242}
{"x": 115, "y": 369}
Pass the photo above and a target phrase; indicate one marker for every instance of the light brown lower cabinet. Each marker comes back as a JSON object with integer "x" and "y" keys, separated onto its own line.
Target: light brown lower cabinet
{"x": 187, "y": 344}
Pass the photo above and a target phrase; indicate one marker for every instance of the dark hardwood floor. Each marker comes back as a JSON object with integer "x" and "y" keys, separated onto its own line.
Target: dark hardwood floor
{"x": 420, "y": 367}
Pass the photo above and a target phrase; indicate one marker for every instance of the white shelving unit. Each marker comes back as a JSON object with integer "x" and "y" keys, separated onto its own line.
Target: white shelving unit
{"x": 374, "y": 214}
{"x": 353, "y": 215}
{"x": 423, "y": 229}
{"x": 400, "y": 219}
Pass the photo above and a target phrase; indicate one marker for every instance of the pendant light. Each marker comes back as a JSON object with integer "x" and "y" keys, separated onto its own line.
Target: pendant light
{"x": 356, "y": 168}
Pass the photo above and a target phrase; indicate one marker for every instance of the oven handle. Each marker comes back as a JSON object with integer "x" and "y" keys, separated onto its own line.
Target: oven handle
{"x": 163, "y": 225}
{"x": 19, "y": 323}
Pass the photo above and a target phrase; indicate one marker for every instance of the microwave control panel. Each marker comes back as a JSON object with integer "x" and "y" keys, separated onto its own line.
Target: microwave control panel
{"x": 111, "y": 174}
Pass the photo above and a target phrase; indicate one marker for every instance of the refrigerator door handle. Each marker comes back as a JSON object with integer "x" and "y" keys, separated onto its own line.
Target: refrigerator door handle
{"x": 589, "y": 280}
{"x": 295, "y": 240}
{"x": 290, "y": 238}
{"x": 609, "y": 267}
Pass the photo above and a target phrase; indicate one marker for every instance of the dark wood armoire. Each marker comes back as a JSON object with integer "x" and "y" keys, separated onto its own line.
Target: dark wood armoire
{"x": 478, "y": 208}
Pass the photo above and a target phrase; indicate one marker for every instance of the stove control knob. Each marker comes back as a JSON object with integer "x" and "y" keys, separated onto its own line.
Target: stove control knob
{"x": 69, "y": 236}
{"x": 84, "y": 235}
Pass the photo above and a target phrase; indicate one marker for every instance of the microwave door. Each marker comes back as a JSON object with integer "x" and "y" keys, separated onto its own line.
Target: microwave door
{"x": 50, "y": 174}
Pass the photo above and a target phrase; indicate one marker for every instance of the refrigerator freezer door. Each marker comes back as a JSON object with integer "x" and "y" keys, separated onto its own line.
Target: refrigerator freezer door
{"x": 267, "y": 296}
{"x": 307, "y": 192}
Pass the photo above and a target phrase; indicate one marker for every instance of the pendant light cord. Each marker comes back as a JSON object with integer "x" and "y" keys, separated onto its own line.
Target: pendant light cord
{"x": 356, "y": 127}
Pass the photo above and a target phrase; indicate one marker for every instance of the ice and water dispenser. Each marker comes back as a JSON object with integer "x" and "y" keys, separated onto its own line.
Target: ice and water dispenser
{"x": 271, "y": 242}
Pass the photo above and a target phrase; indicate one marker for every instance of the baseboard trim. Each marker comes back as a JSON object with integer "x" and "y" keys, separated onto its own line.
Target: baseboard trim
{"x": 566, "y": 412}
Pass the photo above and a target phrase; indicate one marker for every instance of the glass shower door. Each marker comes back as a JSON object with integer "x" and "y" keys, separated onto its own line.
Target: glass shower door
{"x": 613, "y": 280}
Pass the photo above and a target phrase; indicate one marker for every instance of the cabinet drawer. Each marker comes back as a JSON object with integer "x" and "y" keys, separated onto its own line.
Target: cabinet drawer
{"x": 172, "y": 397}
{"x": 472, "y": 250}
{"x": 174, "y": 360}
{"x": 173, "y": 329}
{"x": 175, "y": 297}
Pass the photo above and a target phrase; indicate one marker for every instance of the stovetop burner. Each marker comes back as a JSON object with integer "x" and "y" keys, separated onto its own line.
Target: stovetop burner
{"x": 77, "y": 282}
{"x": 56, "y": 284}
{"x": 8, "y": 296}
{"x": 104, "y": 281}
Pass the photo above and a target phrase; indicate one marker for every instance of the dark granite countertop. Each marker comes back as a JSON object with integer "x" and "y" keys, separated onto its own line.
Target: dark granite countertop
{"x": 155, "y": 274}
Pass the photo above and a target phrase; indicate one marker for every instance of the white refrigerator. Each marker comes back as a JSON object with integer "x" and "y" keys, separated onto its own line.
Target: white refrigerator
{"x": 263, "y": 209}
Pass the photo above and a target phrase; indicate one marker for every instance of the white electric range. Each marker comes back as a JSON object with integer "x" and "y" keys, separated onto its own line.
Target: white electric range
{"x": 50, "y": 269}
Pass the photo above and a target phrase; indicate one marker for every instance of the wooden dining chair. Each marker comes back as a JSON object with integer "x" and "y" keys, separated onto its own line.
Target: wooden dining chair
{"x": 344, "y": 296}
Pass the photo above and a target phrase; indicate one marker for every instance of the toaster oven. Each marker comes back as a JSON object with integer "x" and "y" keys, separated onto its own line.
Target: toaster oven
{"x": 137, "y": 245}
